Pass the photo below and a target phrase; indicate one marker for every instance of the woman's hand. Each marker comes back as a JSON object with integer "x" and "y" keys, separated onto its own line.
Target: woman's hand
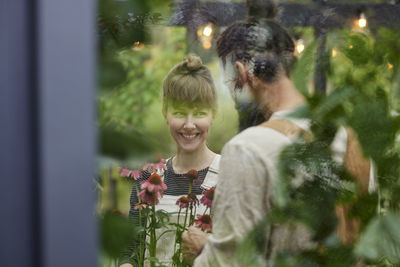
{"x": 193, "y": 241}
{"x": 126, "y": 265}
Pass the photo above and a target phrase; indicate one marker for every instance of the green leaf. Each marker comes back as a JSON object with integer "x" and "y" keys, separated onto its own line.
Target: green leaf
{"x": 358, "y": 49}
{"x": 116, "y": 233}
{"x": 381, "y": 239}
{"x": 331, "y": 103}
{"x": 303, "y": 69}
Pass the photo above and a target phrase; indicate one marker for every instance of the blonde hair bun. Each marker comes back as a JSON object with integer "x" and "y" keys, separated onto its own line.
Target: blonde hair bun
{"x": 193, "y": 62}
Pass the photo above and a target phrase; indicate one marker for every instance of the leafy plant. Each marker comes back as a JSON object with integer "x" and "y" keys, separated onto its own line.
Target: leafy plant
{"x": 363, "y": 81}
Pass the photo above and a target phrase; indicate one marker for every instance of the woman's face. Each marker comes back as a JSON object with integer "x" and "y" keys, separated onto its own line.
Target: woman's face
{"x": 189, "y": 125}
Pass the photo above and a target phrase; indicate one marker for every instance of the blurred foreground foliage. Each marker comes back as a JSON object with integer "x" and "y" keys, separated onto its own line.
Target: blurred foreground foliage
{"x": 364, "y": 84}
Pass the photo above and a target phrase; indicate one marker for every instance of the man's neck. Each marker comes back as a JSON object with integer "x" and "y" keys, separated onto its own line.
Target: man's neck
{"x": 199, "y": 159}
{"x": 282, "y": 95}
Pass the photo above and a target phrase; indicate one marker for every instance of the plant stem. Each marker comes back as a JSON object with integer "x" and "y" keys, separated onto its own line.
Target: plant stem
{"x": 191, "y": 214}
{"x": 142, "y": 238}
{"x": 194, "y": 214}
{"x": 205, "y": 210}
{"x": 177, "y": 230}
{"x": 153, "y": 241}
{"x": 184, "y": 224}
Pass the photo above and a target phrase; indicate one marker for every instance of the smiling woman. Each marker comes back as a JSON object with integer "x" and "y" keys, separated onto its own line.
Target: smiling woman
{"x": 189, "y": 109}
{"x": 189, "y": 126}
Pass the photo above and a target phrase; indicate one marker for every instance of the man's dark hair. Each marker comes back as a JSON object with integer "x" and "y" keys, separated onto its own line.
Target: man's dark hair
{"x": 265, "y": 44}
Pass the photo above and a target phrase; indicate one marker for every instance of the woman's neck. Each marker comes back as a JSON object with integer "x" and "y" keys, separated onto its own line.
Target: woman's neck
{"x": 198, "y": 160}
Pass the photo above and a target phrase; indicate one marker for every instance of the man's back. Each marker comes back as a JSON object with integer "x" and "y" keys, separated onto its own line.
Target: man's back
{"x": 244, "y": 195}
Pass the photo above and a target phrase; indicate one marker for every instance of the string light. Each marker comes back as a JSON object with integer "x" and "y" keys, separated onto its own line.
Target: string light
{"x": 206, "y": 35}
{"x": 390, "y": 66}
{"x": 207, "y": 45}
{"x": 334, "y": 52}
{"x": 362, "y": 21}
{"x": 137, "y": 46}
{"x": 208, "y": 30}
{"x": 351, "y": 46}
{"x": 300, "y": 46}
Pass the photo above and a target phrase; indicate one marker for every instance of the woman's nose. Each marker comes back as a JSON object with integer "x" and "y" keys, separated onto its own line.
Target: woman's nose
{"x": 189, "y": 123}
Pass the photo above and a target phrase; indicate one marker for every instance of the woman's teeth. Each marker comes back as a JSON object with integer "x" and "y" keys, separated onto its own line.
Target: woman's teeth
{"x": 189, "y": 136}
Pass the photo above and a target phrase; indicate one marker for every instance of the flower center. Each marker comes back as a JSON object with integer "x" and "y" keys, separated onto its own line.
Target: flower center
{"x": 206, "y": 219}
{"x": 184, "y": 199}
{"x": 210, "y": 194}
{"x": 155, "y": 179}
{"x": 192, "y": 175}
{"x": 192, "y": 196}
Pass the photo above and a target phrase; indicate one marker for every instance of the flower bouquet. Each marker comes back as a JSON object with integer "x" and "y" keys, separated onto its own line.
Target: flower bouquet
{"x": 153, "y": 223}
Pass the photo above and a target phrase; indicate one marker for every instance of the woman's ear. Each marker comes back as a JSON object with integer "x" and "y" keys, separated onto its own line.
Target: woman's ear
{"x": 242, "y": 72}
{"x": 164, "y": 113}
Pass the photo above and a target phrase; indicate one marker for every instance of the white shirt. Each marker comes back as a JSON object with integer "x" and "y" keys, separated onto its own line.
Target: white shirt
{"x": 244, "y": 192}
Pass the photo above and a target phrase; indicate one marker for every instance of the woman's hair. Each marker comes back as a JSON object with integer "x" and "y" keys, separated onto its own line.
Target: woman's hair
{"x": 264, "y": 45}
{"x": 189, "y": 82}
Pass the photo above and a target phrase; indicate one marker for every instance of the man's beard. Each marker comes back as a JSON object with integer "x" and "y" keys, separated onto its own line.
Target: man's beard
{"x": 242, "y": 95}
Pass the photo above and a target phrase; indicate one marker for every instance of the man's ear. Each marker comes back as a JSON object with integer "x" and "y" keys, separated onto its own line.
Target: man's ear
{"x": 242, "y": 72}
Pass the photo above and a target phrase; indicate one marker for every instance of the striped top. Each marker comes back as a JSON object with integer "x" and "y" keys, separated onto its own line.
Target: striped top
{"x": 177, "y": 186}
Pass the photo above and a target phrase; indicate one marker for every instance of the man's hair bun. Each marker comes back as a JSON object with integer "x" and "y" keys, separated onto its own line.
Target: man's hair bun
{"x": 193, "y": 62}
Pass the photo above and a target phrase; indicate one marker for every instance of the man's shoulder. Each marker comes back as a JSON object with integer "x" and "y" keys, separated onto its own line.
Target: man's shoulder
{"x": 258, "y": 138}
{"x": 259, "y": 135}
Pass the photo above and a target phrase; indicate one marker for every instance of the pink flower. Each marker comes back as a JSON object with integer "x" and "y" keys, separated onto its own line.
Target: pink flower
{"x": 193, "y": 176}
{"x": 156, "y": 167}
{"x": 154, "y": 184}
{"x": 183, "y": 202}
{"x": 149, "y": 197}
{"x": 208, "y": 197}
{"x": 160, "y": 166}
{"x": 124, "y": 172}
{"x": 135, "y": 174}
{"x": 204, "y": 222}
{"x": 140, "y": 206}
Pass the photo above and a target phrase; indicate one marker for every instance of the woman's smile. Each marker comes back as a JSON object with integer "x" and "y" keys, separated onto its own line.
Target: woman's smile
{"x": 189, "y": 136}
{"x": 189, "y": 126}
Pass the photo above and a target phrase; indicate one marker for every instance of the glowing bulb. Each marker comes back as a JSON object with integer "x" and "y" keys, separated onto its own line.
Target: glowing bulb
{"x": 207, "y": 45}
{"x": 199, "y": 32}
{"x": 300, "y": 46}
{"x": 390, "y": 66}
{"x": 362, "y": 21}
{"x": 137, "y": 46}
{"x": 207, "y": 31}
{"x": 351, "y": 46}
{"x": 334, "y": 52}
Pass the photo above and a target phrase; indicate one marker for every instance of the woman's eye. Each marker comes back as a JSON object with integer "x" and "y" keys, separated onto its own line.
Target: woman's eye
{"x": 178, "y": 113}
{"x": 200, "y": 113}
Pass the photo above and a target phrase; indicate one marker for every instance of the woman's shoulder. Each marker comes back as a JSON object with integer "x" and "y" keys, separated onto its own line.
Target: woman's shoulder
{"x": 214, "y": 166}
{"x": 211, "y": 178}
